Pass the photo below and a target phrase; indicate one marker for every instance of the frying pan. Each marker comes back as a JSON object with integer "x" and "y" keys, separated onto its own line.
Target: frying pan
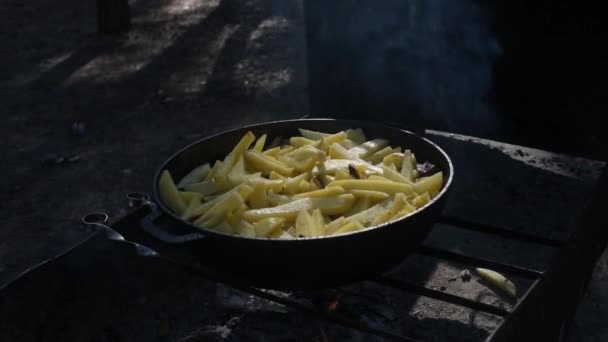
{"x": 303, "y": 263}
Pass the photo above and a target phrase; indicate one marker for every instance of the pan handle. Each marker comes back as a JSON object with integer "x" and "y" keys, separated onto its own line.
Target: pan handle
{"x": 166, "y": 233}
{"x": 98, "y": 221}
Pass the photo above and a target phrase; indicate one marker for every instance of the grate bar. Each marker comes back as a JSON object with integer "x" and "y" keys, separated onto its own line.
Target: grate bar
{"x": 303, "y": 308}
{"x": 499, "y": 231}
{"x": 479, "y": 262}
{"x": 442, "y": 296}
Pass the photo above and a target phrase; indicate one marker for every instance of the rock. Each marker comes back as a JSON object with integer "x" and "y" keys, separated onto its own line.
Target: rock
{"x": 465, "y": 276}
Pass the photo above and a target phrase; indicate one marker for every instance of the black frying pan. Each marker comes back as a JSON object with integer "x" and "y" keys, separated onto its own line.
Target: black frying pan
{"x": 305, "y": 263}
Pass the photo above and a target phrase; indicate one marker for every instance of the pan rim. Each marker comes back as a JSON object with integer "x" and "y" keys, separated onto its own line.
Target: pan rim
{"x": 207, "y": 231}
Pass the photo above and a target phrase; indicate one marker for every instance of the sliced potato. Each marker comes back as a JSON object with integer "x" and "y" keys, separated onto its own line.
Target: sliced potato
{"x": 258, "y": 198}
{"x": 498, "y": 280}
{"x": 422, "y": 200}
{"x": 169, "y": 193}
{"x": 259, "y": 144}
{"x": 431, "y": 184}
{"x": 374, "y": 196}
{"x": 221, "y": 175}
{"x": 334, "y": 205}
{"x": 357, "y": 135}
{"x": 351, "y": 226}
{"x": 368, "y": 148}
{"x": 326, "y": 192}
{"x": 312, "y": 135}
{"x": 395, "y": 176}
{"x": 388, "y": 187}
{"x": 268, "y": 226}
{"x": 360, "y": 205}
{"x": 336, "y": 151}
{"x": 198, "y": 174}
{"x": 287, "y": 211}
{"x": 275, "y": 199}
{"x": 263, "y": 163}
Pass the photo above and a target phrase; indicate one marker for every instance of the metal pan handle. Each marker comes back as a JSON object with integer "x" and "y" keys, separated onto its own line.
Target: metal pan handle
{"x": 150, "y": 222}
{"x": 165, "y": 234}
{"x": 99, "y": 220}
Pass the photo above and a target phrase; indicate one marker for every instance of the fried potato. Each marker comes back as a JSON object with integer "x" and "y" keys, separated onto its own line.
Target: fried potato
{"x": 169, "y": 193}
{"x": 297, "y": 187}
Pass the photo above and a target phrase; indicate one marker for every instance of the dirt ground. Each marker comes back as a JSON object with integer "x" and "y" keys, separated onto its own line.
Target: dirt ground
{"x": 88, "y": 119}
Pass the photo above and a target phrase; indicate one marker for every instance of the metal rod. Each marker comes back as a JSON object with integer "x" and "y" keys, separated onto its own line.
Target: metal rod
{"x": 499, "y": 231}
{"x": 442, "y": 296}
{"x": 479, "y": 262}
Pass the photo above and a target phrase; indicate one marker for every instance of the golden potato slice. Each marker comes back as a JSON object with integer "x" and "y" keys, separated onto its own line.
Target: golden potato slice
{"x": 351, "y": 226}
{"x": 292, "y": 184}
{"x": 272, "y": 152}
{"x": 242, "y": 190}
{"x": 304, "y": 225}
{"x": 312, "y": 135}
{"x": 360, "y": 205}
{"x": 259, "y": 144}
{"x": 198, "y": 174}
{"x": 385, "y": 216}
{"x": 274, "y": 185}
{"x": 406, "y": 165}
{"x": 388, "y": 187}
{"x": 263, "y": 163}
{"x": 498, "y": 280}
{"x": 395, "y": 176}
{"x": 188, "y": 196}
{"x": 300, "y": 141}
{"x": 244, "y": 228}
{"x": 374, "y": 196}
{"x": 288, "y": 211}
{"x": 368, "y": 148}
{"x": 342, "y": 174}
{"x": 221, "y": 175}
{"x": 330, "y": 166}
{"x": 169, "y": 193}
{"x": 326, "y": 192}
{"x": 357, "y": 135}
{"x": 213, "y": 171}
{"x": 347, "y": 144}
{"x": 431, "y": 184}
{"x": 334, "y": 205}
{"x": 334, "y": 225}
{"x": 268, "y": 226}
{"x": 217, "y": 212}
{"x": 367, "y": 216}
{"x": 275, "y": 199}
{"x": 192, "y": 206}
{"x": 285, "y": 149}
{"x": 378, "y": 156}
{"x": 258, "y": 198}
{"x": 422, "y": 199}
{"x": 336, "y": 151}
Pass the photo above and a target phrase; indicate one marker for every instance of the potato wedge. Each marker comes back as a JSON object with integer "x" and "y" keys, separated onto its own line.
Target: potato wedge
{"x": 351, "y": 226}
{"x": 169, "y": 193}
{"x": 259, "y": 144}
{"x": 388, "y": 187}
{"x": 288, "y": 211}
{"x": 263, "y": 163}
{"x": 431, "y": 184}
{"x": 221, "y": 175}
{"x": 368, "y": 148}
{"x": 268, "y": 226}
{"x": 198, "y": 174}
{"x": 326, "y": 192}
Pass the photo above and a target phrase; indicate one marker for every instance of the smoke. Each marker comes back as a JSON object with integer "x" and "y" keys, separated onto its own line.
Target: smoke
{"x": 420, "y": 62}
